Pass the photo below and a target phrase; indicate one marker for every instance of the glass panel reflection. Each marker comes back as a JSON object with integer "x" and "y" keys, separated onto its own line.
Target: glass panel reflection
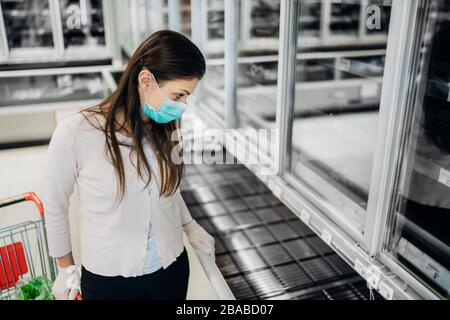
{"x": 50, "y": 88}
{"x": 257, "y": 93}
{"x": 185, "y": 8}
{"x": 265, "y": 18}
{"x": 309, "y": 18}
{"x": 165, "y": 14}
{"x": 214, "y": 82}
{"x": 420, "y": 237}
{"x": 184, "y": 15}
{"x": 216, "y": 19}
{"x": 214, "y": 88}
{"x": 82, "y": 22}
{"x": 345, "y": 17}
{"x": 335, "y": 116}
{"x": 258, "y": 65}
{"x": 27, "y": 23}
{"x": 124, "y": 13}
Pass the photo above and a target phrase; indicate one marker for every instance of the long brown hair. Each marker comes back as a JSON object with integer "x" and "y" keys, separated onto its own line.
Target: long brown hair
{"x": 169, "y": 55}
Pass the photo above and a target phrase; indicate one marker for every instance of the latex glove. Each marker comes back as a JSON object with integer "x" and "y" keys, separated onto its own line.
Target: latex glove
{"x": 199, "y": 238}
{"x": 67, "y": 283}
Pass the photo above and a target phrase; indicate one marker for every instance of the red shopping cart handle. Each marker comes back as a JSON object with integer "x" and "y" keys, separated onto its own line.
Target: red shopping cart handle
{"x": 28, "y": 196}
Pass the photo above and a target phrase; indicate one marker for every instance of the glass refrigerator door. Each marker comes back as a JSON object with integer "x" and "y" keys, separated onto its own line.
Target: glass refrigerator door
{"x": 420, "y": 227}
{"x": 265, "y": 16}
{"x": 345, "y": 17}
{"x": 309, "y": 18}
{"x": 215, "y": 17}
{"x": 82, "y": 23}
{"x": 258, "y": 65}
{"x": 335, "y": 121}
{"x": 165, "y": 20}
{"x": 124, "y": 12}
{"x": 214, "y": 81}
{"x": 260, "y": 21}
{"x": 348, "y": 22}
{"x": 28, "y": 24}
{"x": 185, "y": 17}
{"x": 214, "y": 88}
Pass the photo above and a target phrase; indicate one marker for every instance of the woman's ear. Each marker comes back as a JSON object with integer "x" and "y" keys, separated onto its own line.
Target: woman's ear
{"x": 144, "y": 79}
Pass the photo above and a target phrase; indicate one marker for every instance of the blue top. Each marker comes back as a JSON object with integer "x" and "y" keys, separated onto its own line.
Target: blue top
{"x": 152, "y": 260}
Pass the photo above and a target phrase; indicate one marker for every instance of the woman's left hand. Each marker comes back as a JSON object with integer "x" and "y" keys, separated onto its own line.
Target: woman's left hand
{"x": 199, "y": 238}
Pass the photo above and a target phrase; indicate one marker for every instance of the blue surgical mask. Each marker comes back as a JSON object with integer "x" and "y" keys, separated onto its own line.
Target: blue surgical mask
{"x": 168, "y": 110}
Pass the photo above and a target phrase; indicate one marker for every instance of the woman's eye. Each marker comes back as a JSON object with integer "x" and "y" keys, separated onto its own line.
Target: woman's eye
{"x": 178, "y": 96}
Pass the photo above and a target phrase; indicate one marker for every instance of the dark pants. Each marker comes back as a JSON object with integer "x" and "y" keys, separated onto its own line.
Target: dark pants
{"x": 163, "y": 284}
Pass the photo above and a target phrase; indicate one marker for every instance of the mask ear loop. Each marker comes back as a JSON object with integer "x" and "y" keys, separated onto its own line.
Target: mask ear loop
{"x": 159, "y": 89}
{"x": 156, "y": 84}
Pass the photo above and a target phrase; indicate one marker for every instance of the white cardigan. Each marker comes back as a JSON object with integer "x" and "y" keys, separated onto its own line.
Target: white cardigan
{"x": 113, "y": 236}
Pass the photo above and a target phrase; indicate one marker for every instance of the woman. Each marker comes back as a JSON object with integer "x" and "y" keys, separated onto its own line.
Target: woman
{"x": 119, "y": 155}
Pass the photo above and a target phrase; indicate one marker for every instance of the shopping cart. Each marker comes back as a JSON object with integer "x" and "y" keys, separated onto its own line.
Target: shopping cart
{"x": 23, "y": 250}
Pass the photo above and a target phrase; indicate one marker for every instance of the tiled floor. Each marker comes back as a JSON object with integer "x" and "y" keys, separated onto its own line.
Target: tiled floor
{"x": 263, "y": 250}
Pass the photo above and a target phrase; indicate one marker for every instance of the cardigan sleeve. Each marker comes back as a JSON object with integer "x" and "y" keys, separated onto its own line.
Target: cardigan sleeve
{"x": 60, "y": 174}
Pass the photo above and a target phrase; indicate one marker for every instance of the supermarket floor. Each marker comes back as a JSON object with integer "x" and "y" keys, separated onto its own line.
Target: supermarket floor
{"x": 262, "y": 249}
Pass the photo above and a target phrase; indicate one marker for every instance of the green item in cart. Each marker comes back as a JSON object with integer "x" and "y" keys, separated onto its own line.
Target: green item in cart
{"x": 38, "y": 288}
